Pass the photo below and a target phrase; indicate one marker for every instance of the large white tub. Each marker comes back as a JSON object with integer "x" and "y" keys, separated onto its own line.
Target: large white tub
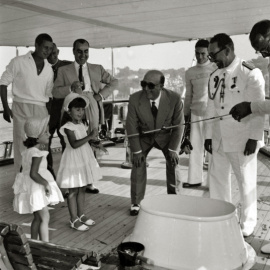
{"x": 185, "y": 232}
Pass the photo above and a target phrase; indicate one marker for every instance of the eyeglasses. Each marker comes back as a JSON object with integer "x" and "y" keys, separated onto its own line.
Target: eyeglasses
{"x": 212, "y": 57}
{"x": 266, "y": 51}
{"x": 150, "y": 85}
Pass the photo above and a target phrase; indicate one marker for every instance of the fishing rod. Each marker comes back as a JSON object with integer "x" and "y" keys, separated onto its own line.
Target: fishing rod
{"x": 171, "y": 127}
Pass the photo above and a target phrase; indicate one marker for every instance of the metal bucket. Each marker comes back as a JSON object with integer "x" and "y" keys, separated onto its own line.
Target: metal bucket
{"x": 128, "y": 253}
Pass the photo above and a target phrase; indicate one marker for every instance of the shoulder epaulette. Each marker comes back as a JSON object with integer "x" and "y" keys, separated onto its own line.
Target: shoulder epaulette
{"x": 248, "y": 65}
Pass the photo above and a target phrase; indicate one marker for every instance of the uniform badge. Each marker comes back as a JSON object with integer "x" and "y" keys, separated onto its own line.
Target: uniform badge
{"x": 234, "y": 82}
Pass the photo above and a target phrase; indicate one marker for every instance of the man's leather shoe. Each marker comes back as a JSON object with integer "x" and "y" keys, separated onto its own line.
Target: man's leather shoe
{"x": 92, "y": 189}
{"x": 187, "y": 185}
{"x": 134, "y": 209}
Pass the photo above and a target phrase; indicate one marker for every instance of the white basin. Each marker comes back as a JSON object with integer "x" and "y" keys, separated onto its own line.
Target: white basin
{"x": 186, "y": 232}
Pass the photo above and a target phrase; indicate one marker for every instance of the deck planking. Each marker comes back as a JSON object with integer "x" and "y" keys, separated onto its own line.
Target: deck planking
{"x": 110, "y": 208}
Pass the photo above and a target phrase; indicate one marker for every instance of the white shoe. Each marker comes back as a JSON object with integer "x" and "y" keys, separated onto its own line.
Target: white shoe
{"x": 266, "y": 249}
{"x": 88, "y": 222}
{"x": 134, "y": 209}
{"x": 82, "y": 228}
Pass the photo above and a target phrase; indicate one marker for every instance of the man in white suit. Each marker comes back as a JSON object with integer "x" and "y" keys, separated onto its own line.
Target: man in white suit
{"x": 85, "y": 78}
{"x": 233, "y": 145}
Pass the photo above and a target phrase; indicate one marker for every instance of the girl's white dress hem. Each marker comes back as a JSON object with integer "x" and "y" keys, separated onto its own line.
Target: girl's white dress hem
{"x": 78, "y": 167}
{"x": 29, "y": 195}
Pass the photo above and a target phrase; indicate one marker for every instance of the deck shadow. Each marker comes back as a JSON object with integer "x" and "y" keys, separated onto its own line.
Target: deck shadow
{"x": 263, "y": 183}
{"x": 126, "y": 181}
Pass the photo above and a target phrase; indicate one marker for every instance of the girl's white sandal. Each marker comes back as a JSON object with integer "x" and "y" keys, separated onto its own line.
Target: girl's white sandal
{"x": 88, "y": 222}
{"x": 82, "y": 228}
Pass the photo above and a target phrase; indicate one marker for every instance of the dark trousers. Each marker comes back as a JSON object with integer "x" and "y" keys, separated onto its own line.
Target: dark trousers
{"x": 54, "y": 125}
{"x": 139, "y": 176}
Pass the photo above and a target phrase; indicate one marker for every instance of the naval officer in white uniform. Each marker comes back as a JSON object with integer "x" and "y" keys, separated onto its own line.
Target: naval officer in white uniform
{"x": 234, "y": 145}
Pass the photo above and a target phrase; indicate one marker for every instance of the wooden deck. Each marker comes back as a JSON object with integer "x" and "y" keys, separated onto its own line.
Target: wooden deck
{"x": 110, "y": 208}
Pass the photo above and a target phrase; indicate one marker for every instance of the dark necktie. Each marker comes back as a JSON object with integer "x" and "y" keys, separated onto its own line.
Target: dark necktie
{"x": 54, "y": 72}
{"x": 154, "y": 109}
{"x": 81, "y": 76}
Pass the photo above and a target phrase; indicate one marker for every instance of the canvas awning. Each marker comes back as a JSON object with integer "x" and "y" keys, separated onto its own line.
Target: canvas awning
{"x": 120, "y": 23}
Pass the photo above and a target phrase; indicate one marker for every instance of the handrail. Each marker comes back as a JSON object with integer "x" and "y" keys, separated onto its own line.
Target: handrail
{"x": 105, "y": 102}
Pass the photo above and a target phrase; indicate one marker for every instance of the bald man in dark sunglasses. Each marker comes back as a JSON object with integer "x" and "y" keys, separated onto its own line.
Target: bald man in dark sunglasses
{"x": 143, "y": 116}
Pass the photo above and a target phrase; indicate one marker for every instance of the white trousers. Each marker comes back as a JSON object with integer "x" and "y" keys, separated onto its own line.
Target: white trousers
{"x": 22, "y": 111}
{"x": 245, "y": 169}
{"x": 196, "y": 157}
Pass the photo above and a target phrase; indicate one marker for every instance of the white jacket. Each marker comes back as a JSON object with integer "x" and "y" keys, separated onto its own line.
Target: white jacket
{"x": 242, "y": 83}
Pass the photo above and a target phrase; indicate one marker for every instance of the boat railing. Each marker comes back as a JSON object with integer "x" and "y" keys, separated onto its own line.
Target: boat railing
{"x": 6, "y": 129}
{"x": 118, "y": 111}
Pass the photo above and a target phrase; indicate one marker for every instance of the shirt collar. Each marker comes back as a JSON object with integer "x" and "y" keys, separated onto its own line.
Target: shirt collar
{"x": 77, "y": 65}
{"x": 204, "y": 64}
{"x": 30, "y": 56}
{"x": 55, "y": 63}
{"x": 232, "y": 65}
{"x": 157, "y": 100}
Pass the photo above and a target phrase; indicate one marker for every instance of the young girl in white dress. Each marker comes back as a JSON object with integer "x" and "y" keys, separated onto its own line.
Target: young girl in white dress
{"x": 78, "y": 166}
{"x": 35, "y": 187}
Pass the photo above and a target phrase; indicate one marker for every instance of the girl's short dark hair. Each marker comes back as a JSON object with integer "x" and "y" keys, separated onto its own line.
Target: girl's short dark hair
{"x": 75, "y": 103}
{"x": 30, "y": 142}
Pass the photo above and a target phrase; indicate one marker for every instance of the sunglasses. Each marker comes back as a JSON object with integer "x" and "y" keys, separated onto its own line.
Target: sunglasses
{"x": 212, "y": 57}
{"x": 150, "y": 85}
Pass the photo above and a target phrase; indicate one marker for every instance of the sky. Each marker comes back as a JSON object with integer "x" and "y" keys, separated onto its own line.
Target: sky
{"x": 159, "y": 56}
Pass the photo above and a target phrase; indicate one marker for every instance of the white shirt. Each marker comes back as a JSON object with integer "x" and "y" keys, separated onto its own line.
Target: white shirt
{"x": 86, "y": 76}
{"x": 157, "y": 100}
{"x": 27, "y": 85}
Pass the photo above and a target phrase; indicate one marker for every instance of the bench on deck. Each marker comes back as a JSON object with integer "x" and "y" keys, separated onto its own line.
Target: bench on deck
{"x": 20, "y": 253}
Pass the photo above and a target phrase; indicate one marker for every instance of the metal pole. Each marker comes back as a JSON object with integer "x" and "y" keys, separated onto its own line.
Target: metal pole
{"x": 112, "y": 61}
{"x": 111, "y": 132}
